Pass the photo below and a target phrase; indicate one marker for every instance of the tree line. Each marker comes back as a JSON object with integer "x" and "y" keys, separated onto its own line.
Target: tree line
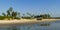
{"x": 11, "y": 14}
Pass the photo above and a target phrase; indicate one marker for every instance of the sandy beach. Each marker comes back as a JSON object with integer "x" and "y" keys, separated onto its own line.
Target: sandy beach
{"x": 25, "y": 21}
{"x": 8, "y": 23}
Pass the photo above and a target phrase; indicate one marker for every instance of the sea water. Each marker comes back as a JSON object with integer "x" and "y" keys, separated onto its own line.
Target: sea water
{"x": 38, "y": 26}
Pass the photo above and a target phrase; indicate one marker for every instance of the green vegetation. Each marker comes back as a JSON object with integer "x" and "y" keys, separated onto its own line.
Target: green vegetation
{"x": 26, "y": 17}
{"x": 44, "y": 16}
{"x": 10, "y": 14}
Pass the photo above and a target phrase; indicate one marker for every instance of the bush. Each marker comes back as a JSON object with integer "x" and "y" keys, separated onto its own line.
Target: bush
{"x": 17, "y": 18}
{"x": 2, "y": 17}
{"x": 26, "y": 17}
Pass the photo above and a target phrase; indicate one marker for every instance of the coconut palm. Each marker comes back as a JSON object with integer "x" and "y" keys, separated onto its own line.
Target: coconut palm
{"x": 9, "y": 12}
{"x": 3, "y": 14}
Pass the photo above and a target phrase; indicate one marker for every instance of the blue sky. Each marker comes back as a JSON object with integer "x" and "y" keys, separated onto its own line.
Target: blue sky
{"x": 51, "y": 7}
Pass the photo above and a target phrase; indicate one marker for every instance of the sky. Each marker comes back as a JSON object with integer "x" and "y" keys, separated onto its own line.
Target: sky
{"x": 36, "y": 7}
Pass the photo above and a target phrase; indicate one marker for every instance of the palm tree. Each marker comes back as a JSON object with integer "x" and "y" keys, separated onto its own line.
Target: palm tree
{"x": 3, "y": 14}
{"x": 18, "y": 14}
{"x": 31, "y": 15}
{"x": 9, "y": 12}
{"x": 14, "y": 14}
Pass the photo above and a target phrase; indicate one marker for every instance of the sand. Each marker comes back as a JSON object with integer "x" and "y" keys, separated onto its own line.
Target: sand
{"x": 25, "y": 21}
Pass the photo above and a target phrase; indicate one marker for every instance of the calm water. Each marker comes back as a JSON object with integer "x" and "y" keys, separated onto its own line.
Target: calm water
{"x": 39, "y": 26}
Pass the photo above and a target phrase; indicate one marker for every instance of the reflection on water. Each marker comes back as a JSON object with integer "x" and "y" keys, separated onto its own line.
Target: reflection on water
{"x": 39, "y": 26}
{"x": 14, "y": 28}
{"x": 45, "y": 24}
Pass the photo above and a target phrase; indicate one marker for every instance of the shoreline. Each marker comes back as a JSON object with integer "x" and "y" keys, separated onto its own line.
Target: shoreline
{"x": 25, "y": 21}
{"x": 11, "y": 23}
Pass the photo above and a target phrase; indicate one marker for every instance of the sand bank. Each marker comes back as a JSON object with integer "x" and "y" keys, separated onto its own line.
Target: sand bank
{"x": 25, "y": 21}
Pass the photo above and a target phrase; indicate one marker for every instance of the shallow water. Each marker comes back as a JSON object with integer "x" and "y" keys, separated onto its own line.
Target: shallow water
{"x": 39, "y": 26}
